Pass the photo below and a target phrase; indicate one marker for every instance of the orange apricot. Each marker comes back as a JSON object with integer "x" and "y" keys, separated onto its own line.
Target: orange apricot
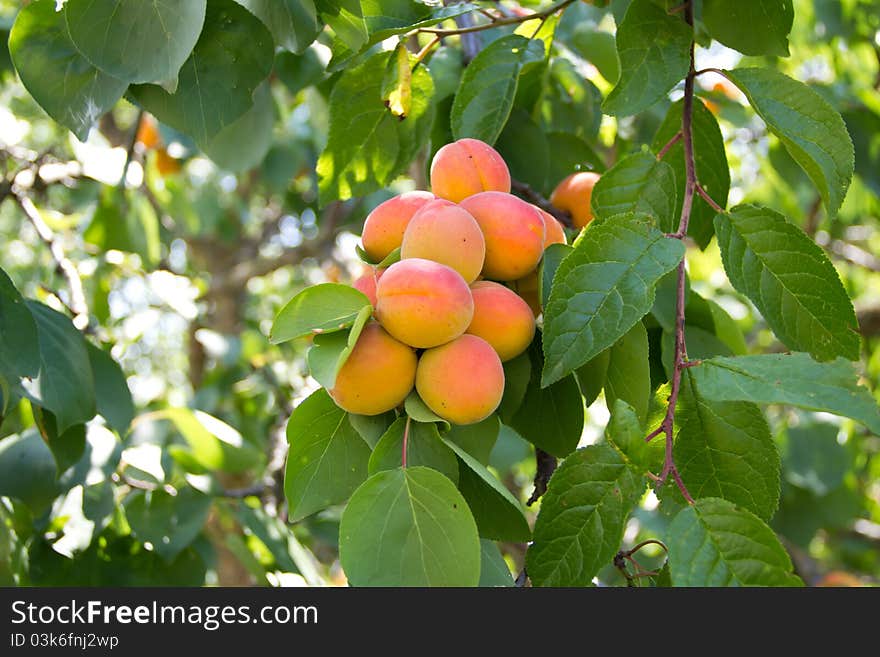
{"x": 467, "y": 167}
{"x": 423, "y": 303}
{"x": 573, "y": 194}
{"x": 502, "y": 319}
{"x": 378, "y": 375}
{"x": 514, "y": 233}
{"x": 385, "y": 225}
{"x": 461, "y": 381}
{"x": 367, "y": 282}
{"x": 446, "y": 233}
{"x": 527, "y": 288}
{"x": 554, "y": 233}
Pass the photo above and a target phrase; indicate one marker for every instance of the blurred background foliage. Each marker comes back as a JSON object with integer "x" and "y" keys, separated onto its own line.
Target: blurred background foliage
{"x": 186, "y": 255}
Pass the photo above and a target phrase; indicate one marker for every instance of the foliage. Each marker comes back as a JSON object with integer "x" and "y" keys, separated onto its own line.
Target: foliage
{"x": 179, "y": 222}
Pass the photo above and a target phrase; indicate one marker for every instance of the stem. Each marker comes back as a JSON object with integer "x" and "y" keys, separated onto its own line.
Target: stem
{"x": 403, "y": 449}
{"x": 129, "y": 154}
{"x": 533, "y": 197}
{"x": 498, "y": 22}
{"x": 546, "y": 466}
{"x": 672, "y": 142}
{"x": 709, "y": 199}
{"x": 680, "y": 357}
{"x": 424, "y": 51}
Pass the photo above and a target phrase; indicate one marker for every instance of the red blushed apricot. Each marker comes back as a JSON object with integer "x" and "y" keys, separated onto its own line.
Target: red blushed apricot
{"x": 367, "y": 282}
{"x": 502, "y": 319}
{"x": 467, "y": 167}
{"x": 461, "y": 381}
{"x": 378, "y": 375}
{"x": 444, "y": 232}
{"x": 385, "y": 225}
{"x": 527, "y": 288}
{"x": 423, "y": 303}
{"x": 514, "y": 233}
{"x": 573, "y": 195}
{"x": 553, "y": 230}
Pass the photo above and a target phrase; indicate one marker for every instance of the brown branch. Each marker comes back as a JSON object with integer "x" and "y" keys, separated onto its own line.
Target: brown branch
{"x": 499, "y": 22}
{"x": 546, "y": 466}
{"x": 77, "y": 303}
{"x": 526, "y": 192}
{"x": 848, "y": 252}
{"x": 669, "y": 144}
{"x": 132, "y": 142}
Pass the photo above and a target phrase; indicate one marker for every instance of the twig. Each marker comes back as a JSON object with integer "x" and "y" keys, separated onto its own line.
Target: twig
{"x": 546, "y": 466}
{"x": 680, "y": 355}
{"x": 77, "y": 304}
{"x": 702, "y": 192}
{"x": 508, "y": 20}
{"x": 848, "y": 252}
{"x": 533, "y": 197}
{"x": 669, "y": 144}
{"x": 129, "y": 154}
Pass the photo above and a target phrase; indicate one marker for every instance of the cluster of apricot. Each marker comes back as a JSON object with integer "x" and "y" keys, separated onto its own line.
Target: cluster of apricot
{"x": 463, "y": 297}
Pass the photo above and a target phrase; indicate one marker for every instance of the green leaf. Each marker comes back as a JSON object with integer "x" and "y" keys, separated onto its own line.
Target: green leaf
{"x": 331, "y": 350}
{"x": 423, "y": 447}
{"x": 654, "y": 51}
{"x": 493, "y": 568}
{"x": 551, "y": 418}
{"x": 523, "y": 145}
{"x": 234, "y": 54}
{"x": 409, "y": 527}
{"x": 368, "y": 146}
{"x": 793, "y": 379}
{"x": 372, "y": 427}
{"x": 570, "y": 154}
{"x": 569, "y": 102}
{"x": 488, "y": 87}
{"x": 347, "y": 20}
{"x": 169, "y": 522}
{"x": 113, "y": 398}
{"x": 211, "y": 443}
{"x": 626, "y": 432}
{"x": 811, "y": 130}
{"x": 553, "y": 257}
{"x": 243, "y": 144}
{"x": 67, "y": 447}
{"x": 61, "y": 80}
{"x": 591, "y": 376}
{"x": 583, "y": 515}
{"x": 754, "y": 27}
{"x": 320, "y": 308}
{"x": 629, "y": 373}
{"x": 517, "y": 374}
{"x": 638, "y": 183}
{"x": 476, "y": 439}
{"x": 20, "y": 347}
{"x": 293, "y": 23}
{"x": 710, "y": 163}
{"x": 813, "y": 458}
{"x": 790, "y": 280}
{"x": 65, "y": 385}
{"x": 27, "y": 470}
{"x": 602, "y": 289}
{"x": 327, "y": 458}
{"x": 418, "y": 410}
{"x": 133, "y": 40}
{"x": 598, "y": 48}
{"x": 716, "y": 543}
{"x": 724, "y": 449}
{"x": 126, "y": 222}
{"x": 498, "y": 514}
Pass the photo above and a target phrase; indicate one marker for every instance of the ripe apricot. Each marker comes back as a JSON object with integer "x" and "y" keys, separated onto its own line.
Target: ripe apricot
{"x": 148, "y": 133}
{"x": 573, "y": 194}
{"x": 553, "y": 230}
{"x": 502, "y": 319}
{"x": 527, "y": 288}
{"x": 423, "y": 303}
{"x": 385, "y": 225}
{"x": 467, "y": 167}
{"x": 461, "y": 381}
{"x": 446, "y": 233}
{"x": 378, "y": 375}
{"x": 514, "y": 233}
{"x": 367, "y": 282}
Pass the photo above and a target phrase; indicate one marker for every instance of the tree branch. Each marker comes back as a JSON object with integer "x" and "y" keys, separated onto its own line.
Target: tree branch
{"x": 535, "y": 198}
{"x": 546, "y": 466}
{"x": 498, "y": 22}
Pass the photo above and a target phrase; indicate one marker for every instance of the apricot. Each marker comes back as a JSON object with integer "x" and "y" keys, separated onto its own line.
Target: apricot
{"x": 467, "y": 167}
{"x": 573, "y": 195}
{"x": 554, "y": 233}
{"x": 385, "y": 225}
{"x": 461, "y": 381}
{"x": 367, "y": 282}
{"x": 527, "y": 288}
{"x": 444, "y": 232}
{"x": 514, "y": 233}
{"x": 423, "y": 303}
{"x": 378, "y": 375}
{"x": 502, "y": 319}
